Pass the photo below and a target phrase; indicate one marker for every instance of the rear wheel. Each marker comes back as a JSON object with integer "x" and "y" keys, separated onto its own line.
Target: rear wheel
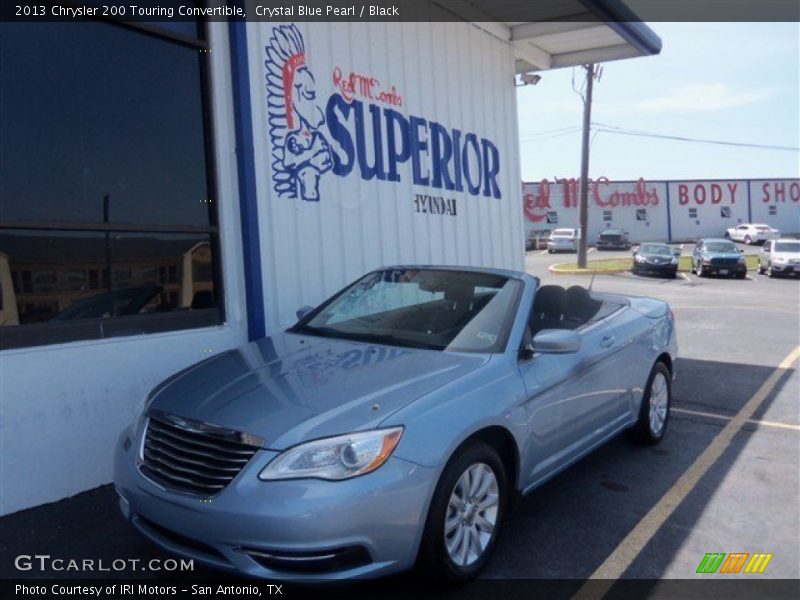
{"x": 465, "y": 516}
{"x": 656, "y": 403}
{"x": 748, "y": 240}
{"x": 770, "y": 272}
{"x": 727, "y": 235}
{"x": 760, "y": 268}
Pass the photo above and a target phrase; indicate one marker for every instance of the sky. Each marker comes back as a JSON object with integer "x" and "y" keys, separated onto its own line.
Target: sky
{"x": 734, "y": 82}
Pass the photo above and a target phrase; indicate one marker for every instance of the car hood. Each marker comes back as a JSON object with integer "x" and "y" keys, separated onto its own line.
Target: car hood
{"x": 289, "y": 388}
{"x": 786, "y": 255}
{"x": 721, "y": 255}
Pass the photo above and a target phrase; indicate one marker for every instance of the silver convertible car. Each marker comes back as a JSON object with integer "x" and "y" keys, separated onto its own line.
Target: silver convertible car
{"x": 393, "y": 425}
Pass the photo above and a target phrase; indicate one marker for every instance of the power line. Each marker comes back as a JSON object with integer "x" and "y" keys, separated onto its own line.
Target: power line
{"x": 634, "y": 132}
{"x": 549, "y": 137}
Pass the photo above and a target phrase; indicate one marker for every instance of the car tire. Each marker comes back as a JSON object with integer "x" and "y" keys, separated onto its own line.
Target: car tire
{"x": 654, "y": 412}
{"x": 760, "y": 268}
{"x": 727, "y": 235}
{"x": 748, "y": 240}
{"x": 549, "y": 251}
{"x": 435, "y": 559}
{"x": 770, "y": 272}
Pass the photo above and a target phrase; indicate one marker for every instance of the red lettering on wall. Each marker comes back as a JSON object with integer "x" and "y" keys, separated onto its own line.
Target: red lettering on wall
{"x": 536, "y": 206}
{"x": 683, "y": 194}
{"x": 732, "y": 190}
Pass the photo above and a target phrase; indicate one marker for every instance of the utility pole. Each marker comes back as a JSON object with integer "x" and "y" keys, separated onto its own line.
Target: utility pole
{"x": 583, "y": 210}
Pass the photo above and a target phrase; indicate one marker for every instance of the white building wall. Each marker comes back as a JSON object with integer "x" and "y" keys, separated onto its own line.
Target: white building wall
{"x": 777, "y": 202}
{"x": 452, "y": 73}
{"x": 62, "y": 407}
{"x": 673, "y": 210}
{"x": 706, "y": 208}
{"x": 638, "y": 207}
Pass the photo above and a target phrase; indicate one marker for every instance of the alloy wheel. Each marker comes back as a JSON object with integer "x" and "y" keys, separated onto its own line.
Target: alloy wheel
{"x": 659, "y": 403}
{"x": 471, "y": 514}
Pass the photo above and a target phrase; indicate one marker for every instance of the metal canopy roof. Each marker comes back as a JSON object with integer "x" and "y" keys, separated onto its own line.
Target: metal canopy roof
{"x": 561, "y": 33}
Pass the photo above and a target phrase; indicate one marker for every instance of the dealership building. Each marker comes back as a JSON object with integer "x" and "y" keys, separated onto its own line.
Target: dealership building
{"x": 665, "y": 211}
{"x": 172, "y": 190}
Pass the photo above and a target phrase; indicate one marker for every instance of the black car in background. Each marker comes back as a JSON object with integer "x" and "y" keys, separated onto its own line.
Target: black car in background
{"x": 613, "y": 239}
{"x": 655, "y": 259}
{"x": 718, "y": 257}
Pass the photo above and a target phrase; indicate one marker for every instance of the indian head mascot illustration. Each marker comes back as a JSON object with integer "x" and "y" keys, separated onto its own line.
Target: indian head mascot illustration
{"x": 300, "y": 152}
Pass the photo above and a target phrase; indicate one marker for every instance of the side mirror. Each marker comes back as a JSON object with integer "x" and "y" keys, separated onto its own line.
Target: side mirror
{"x": 556, "y": 341}
{"x": 302, "y": 312}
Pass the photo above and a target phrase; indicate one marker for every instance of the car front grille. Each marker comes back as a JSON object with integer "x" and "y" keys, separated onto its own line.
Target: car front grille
{"x": 724, "y": 262}
{"x": 193, "y": 458}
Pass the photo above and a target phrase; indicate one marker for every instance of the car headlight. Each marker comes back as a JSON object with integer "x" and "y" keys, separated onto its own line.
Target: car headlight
{"x": 673, "y": 260}
{"x": 335, "y": 458}
{"x": 640, "y": 259}
{"x": 779, "y": 259}
{"x": 741, "y": 260}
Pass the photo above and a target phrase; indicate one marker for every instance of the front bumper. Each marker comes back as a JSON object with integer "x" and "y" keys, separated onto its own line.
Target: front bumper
{"x": 304, "y": 529}
{"x": 661, "y": 269}
{"x": 737, "y": 269}
{"x": 785, "y": 268}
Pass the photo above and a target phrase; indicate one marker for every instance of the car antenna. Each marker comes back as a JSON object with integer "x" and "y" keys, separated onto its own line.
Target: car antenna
{"x": 591, "y": 283}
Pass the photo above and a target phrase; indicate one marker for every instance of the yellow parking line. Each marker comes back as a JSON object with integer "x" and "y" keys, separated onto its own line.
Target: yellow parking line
{"x": 698, "y": 413}
{"x": 686, "y": 277}
{"x": 630, "y": 547}
{"x": 590, "y": 250}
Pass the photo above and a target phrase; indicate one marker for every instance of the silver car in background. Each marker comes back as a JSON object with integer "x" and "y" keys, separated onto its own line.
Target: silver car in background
{"x": 779, "y": 257}
{"x": 392, "y": 425}
{"x": 563, "y": 240}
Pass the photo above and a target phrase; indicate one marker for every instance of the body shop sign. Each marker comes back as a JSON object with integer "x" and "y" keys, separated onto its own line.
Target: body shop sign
{"x": 363, "y": 129}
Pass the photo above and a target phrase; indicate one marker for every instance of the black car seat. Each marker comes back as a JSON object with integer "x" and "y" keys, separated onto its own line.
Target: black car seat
{"x": 549, "y": 306}
{"x": 580, "y": 306}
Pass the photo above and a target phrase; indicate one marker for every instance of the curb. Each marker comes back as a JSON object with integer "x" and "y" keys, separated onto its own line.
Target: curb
{"x": 557, "y": 270}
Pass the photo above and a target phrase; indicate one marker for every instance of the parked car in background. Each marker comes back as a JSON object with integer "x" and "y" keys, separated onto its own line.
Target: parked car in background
{"x": 779, "y": 257}
{"x": 392, "y": 425}
{"x": 563, "y": 240}
{"x": 537, "y": 239}
{"x": 752, "y": 233}
{"x": 613, "y": 239}
{"x": 656, "y": 259}
{"x": 718, "y": 257}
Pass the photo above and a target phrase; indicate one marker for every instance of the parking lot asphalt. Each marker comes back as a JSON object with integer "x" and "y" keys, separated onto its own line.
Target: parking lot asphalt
{"x": 624, "y": 510}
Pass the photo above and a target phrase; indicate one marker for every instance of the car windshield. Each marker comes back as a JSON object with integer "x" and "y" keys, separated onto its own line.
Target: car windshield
{"x": 787, "y": 246}
{"x": 720, "y": 247}
{"x": 456, "y": 311}
{"x": 655, "y": 249}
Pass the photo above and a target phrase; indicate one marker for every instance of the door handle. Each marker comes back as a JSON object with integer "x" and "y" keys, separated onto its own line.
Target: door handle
{"x": 607, "y": 341}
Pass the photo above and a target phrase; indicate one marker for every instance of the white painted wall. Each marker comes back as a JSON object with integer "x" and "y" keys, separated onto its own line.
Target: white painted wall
{"x": 715, "y": 204}
{"x": 709, "y": 200}
{"x": 776, "y": 202}
{"x": 612, "y": 204}
{"x": 62, "y": 407}
{"x": 452, "y": 73}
